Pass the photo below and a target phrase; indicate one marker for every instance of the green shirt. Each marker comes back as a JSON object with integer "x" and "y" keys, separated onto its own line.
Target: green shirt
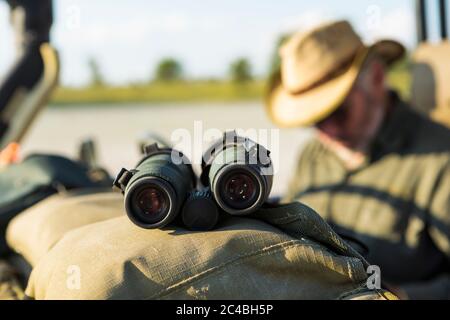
{"x": 397, "y": 204}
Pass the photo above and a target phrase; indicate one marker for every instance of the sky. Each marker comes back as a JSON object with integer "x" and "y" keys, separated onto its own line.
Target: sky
{"x": 129, "y": 37}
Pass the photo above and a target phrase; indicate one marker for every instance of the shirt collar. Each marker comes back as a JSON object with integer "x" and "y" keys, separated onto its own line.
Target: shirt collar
{"x": 393, "y": 135}
{"x": 396, "y": 129}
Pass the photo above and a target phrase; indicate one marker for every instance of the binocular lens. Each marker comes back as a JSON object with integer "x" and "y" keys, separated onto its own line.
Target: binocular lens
{"x": 152, "y": 204}
{"x": 149, "y": 203}
{"x": 240, "y": 190}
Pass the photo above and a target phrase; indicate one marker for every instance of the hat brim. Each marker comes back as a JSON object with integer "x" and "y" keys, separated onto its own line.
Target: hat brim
{"x": 307, "y": 108}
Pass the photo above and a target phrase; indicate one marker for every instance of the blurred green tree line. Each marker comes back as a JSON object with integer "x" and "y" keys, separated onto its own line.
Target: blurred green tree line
{"x": 170, "y": 83}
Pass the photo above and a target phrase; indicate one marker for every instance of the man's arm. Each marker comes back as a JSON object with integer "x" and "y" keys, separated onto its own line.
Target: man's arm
{"x": 437, "y": 288}
{"x": 439, "y": 231}
{"x": 31, "y": 21}
{"x": 25, "y": 88}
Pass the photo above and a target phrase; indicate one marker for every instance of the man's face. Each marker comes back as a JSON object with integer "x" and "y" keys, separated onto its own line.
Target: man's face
{"x": 350, "y": 125}
{"x": 356, "y": 122}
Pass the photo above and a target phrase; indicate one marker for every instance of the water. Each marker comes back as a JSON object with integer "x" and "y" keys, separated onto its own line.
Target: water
{"x": 116, "y": 129}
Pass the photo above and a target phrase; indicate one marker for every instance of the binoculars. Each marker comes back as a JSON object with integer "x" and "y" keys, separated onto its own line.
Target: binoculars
{"x": 236, "y": 179}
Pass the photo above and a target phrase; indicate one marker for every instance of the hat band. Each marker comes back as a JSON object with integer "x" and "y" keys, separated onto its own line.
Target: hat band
{"x": 340, "y": 70}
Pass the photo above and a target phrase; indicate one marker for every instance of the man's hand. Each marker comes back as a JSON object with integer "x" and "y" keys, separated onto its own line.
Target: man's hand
{"x": 10, "y": 154}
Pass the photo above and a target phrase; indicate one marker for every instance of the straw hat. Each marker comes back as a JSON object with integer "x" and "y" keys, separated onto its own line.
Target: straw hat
{"x": 318, "y": 70}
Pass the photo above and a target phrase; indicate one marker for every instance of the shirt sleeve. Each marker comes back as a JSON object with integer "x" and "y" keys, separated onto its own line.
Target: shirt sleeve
{"x": 437, "y": 288}
{"x": 439, "y": 210}
{"x": 302, "y": 174}
{"x": 439, "y": 231}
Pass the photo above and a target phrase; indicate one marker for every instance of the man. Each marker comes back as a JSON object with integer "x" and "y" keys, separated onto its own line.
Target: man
{"x": 23, "y": 92}
{"x": 26, "y": 87}
{"x": 376, "y": 171}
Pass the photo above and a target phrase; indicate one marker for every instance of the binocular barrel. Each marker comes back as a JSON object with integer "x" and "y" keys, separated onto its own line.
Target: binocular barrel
{"x": 240, "y": 174}
{"x": 156, "y": 190}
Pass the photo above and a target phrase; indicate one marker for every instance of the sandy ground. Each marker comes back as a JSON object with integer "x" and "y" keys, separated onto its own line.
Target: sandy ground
{"x": 116, "y": 129}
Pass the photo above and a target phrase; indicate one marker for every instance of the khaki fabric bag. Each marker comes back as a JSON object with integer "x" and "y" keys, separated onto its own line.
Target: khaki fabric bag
{"x": 287, "y": 252}
{"x": 36, "y": 230}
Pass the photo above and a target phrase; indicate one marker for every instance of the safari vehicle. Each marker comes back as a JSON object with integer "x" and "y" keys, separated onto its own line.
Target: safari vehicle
{"x": 65, "y": 235}
{"x": 430, "y": 89}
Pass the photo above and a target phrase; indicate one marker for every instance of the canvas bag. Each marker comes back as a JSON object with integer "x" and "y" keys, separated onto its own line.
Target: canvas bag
{"x": 37, "y": 177}
{"x": 294, "y": 255}
{"x": 36, "y": 230}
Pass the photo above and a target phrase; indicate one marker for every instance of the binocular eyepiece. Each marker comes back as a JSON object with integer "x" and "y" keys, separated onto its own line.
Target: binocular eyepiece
{"x": 239, "y": 172}
{"x": 155, "y": 191}
{"x": 237, "y": 176}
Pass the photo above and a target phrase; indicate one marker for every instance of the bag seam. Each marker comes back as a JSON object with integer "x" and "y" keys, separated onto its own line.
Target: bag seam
{"x": 239, "y": 260}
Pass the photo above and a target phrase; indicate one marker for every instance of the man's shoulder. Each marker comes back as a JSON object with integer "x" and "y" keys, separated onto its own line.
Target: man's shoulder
{"x": 430, "y": 137}
{"x": 312, "y": 149}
